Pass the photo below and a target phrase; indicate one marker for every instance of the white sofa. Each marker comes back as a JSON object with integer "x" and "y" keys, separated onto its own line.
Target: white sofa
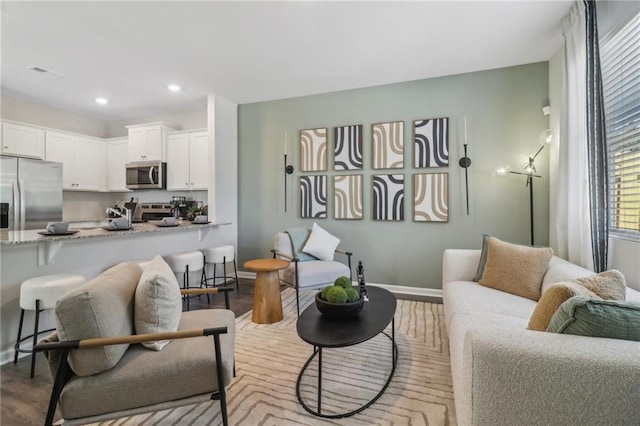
{"x": 504, "y": 374}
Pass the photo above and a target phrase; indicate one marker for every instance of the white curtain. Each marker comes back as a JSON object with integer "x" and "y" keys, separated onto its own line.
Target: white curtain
{"x": 569, "y": 216}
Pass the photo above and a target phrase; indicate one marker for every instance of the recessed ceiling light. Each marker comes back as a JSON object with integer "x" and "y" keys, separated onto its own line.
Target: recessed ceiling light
{"x": 174, "y": 87}
{"x": 102, "y": 101}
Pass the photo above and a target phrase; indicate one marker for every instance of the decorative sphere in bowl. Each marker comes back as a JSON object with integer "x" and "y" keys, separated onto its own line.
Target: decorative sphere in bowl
{"x": 339, "y": 311}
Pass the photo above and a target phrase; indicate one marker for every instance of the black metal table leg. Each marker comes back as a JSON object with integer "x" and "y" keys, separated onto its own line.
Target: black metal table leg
{"x": 319, "y": 380}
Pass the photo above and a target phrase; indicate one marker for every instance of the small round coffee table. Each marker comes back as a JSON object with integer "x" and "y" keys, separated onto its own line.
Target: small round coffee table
{"x": 320, "y": 332}
{"x": 267, "y": 301}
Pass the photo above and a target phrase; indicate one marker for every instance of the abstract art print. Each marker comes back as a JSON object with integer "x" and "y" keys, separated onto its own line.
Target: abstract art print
{"x": 431, "y": 142}
{"x": 313, "y": 197}
{"x": 348, "y": 147}
{"x": 347, "y": 197}
{"x": 431, "y": 197}
{"x": 313, "y": 150}
{"x": 388, "y": 145}
{"x": 388, "y": 197}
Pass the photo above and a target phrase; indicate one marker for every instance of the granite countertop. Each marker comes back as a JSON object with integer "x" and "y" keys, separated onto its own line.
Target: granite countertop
{"x": 89, "y": 229}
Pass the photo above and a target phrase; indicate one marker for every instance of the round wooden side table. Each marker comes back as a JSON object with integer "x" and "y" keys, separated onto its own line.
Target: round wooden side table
{"x": 267, "y": 302}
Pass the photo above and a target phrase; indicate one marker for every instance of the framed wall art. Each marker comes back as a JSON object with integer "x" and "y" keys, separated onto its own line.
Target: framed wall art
{"x": 431, "y": 197}
{"x": 313, "y": 150}
{"x": 347, "y": 197}
{"x": 313, "y": 197}
{"x": 431, "y": 142}
{"x": 348, "y": 147}
{"x": 388, "y": 197}
{"x": 388, "y": 145}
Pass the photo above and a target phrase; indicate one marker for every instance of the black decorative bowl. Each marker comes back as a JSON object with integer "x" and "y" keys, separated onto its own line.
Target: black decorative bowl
{"x": 339, "y": 311}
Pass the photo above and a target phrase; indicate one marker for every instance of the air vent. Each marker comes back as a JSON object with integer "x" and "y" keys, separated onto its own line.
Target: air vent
{"x": 43, "y": 70}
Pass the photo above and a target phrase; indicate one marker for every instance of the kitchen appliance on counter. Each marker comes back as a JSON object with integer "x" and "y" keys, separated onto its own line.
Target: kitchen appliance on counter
{"x": 181, "y": 206}
{"x": 147, "y": 175}
{"x": 31, "y": 193}
{"x": 155, "y": 211}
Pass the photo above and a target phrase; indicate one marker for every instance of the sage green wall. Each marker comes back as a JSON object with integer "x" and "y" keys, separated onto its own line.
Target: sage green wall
{"x": 504, "y": 116}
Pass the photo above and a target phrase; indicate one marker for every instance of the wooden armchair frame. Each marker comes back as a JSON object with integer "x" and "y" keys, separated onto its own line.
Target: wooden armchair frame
{"x": 64, "y": 373}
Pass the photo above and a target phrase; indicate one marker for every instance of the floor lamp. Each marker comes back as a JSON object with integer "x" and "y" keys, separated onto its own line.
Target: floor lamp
{"x": 530, "y": 173}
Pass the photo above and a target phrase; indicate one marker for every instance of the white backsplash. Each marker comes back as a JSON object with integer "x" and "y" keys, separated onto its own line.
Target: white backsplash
{"x": 92, "y": 205}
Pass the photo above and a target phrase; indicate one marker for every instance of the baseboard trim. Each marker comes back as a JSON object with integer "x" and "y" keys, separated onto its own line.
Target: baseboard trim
{"x": 395, "y": 289}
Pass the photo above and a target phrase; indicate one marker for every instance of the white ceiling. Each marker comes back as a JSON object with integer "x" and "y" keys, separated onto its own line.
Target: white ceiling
{"x": 255, "y": 51}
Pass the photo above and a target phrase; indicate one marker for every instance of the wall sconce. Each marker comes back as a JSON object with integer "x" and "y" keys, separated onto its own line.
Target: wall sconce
{"x": 545, "y": 138}
{"x": 465, "y": 162}
{"x": 288, "y": 169}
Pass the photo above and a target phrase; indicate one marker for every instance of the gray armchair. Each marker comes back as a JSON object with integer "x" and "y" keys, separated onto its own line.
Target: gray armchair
{"x": 308, "y": 274}
{"x": 195, "y": 366}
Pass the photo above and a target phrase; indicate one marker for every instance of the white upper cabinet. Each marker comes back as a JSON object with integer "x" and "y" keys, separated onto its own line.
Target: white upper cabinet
{"x": 82, "y": 158}
{"x": 199, "y": 160}
{"x": 187, "y": 160}
{"x": 117, "y": 158}
{"x": 147, "y": 142}
{"x": 22, "y": 141}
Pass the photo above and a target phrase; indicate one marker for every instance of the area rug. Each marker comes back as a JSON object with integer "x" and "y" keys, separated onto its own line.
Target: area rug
{"x": 269, "y": 358}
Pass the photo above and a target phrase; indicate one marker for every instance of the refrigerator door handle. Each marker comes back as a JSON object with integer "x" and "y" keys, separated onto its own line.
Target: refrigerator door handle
{"x": 16, "y": 206}
{"x": 23, "y": 203}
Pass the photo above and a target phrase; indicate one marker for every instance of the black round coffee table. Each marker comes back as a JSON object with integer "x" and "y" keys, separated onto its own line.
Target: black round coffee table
{"x": 320, "y": 332}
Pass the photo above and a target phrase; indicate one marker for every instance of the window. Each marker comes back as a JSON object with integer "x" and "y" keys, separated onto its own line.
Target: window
{"x": 620, "y": 61}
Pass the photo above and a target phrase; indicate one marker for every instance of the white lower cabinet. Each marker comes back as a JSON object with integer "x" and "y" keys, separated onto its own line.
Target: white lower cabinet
{"x": 82, "y": 158}
{"x": 187, "y": 160}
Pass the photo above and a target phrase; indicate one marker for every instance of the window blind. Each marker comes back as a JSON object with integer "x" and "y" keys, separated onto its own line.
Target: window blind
{"x": 620, "y": 63}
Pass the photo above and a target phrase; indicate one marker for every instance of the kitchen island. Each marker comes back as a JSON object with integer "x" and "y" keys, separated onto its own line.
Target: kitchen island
{"x": 89, "y": 251}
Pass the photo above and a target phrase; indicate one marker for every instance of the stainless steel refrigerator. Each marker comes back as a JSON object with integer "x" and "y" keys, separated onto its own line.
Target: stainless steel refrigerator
{"x": 31, "y": 193}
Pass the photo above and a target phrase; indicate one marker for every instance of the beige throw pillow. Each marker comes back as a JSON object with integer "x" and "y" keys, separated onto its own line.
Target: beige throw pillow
{"x": 515, "y": 269}
{"x": 609, "y": 285}
{"x": 551, "y": 300}
{"x": 102, "y": 307}
{"x": 158, "y": 303}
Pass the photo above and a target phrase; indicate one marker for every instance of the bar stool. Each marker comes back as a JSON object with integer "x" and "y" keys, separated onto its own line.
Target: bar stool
{"x": 215, "y": 255}
{"x": 38, "y": 294}
{"x": 185, "y": 263}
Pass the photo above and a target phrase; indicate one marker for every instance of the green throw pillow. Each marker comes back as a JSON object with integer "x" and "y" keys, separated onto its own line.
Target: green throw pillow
{"x": 584, "y": 316}
{"x": 483, "y": 257}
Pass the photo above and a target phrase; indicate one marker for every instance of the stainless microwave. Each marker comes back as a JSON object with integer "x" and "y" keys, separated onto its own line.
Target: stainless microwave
{"x": 147, "y": 175}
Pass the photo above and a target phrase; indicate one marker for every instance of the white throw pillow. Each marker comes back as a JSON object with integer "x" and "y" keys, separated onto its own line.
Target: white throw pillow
{"x": 158, "y": 302}
{"x": 321, "y": 244}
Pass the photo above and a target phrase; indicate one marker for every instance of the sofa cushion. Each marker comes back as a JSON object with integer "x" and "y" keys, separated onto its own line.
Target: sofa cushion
{"x": 102, "y": 307}
{"x": 315, "y": 273}
{"x": 551, "y": 300}
{"x": 585, "y": 316}
{"x": 158, "y": 302}
{"x": 186, "y": 367}
{"x": 321, "y": 244}
{"x": 562, "y": 270}
{"x": 515, "y": 269}
{"x": 608, "y": 285}
{"x": 466, "y": 296}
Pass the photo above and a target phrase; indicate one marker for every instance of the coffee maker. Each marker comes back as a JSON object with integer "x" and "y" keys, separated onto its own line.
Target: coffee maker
{"x": 180, "y": 206}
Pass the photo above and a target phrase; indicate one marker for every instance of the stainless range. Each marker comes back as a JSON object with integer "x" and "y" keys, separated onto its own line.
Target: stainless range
{"x": 155, "y": 211}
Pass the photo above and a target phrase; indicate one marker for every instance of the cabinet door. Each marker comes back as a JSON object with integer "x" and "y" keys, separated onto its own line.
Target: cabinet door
{"x": 154, "y": 143}
{"x": 199, "y": 161}
{"x": 22, "y": 141}
{"x": 137, "y": 145}
{"x": 178, "y": 162}
{"x": 117, "y": 157}
{"x": 89, "y": 165}
{"x": 60, "y": 148}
